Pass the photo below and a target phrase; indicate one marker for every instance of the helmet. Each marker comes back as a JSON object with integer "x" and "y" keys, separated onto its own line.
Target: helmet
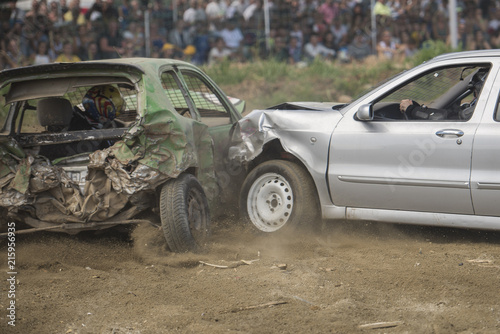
{"x": 103, "y": 103}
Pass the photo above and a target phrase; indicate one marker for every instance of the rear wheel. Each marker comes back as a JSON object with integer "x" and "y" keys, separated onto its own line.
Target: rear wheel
{"x": 184, "y": 214}
{"x": 279, "y": 195}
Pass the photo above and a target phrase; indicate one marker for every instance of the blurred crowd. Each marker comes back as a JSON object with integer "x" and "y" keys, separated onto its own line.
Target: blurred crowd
{"x": 210, "y": 31}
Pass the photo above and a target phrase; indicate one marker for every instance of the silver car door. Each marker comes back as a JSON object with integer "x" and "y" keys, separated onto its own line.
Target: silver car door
{"x": 416, "y": 165}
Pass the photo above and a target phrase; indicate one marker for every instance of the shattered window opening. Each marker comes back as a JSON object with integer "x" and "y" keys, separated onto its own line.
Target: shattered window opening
{"x": 58, "y": 126}
{"x": 30, "y": 122}
{"x": 207, "y": 102}
{"x": 174, "y": 93}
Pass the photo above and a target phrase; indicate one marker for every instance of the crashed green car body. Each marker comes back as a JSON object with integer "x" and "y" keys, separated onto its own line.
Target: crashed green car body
{"x": 176, "y": 121}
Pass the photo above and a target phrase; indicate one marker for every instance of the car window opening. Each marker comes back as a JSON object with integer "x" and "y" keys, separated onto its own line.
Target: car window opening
{"x": 85, "y": 119}
{"x": 444, "y": 94}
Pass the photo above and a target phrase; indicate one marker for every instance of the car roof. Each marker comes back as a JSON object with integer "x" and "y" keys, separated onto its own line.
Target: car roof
{"x": 141, "y": 65}
{"x": 468, "y": 54}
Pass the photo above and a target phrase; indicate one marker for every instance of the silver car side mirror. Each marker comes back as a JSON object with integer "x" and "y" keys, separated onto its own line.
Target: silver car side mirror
{"x": 365, "y": 113}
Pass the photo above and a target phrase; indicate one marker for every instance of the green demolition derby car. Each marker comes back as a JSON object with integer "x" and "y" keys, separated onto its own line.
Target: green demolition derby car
{"x": 91, "y": 145}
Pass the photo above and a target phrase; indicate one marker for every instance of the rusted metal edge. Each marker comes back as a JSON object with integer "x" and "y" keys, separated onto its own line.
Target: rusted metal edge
{"x": 71, "y": 226}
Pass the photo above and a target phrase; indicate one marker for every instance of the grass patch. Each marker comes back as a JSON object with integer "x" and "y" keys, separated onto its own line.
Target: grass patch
{"x": 266, "y": 83}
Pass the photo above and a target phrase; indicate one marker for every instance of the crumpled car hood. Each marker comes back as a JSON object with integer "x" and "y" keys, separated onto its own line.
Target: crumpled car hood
{"x": 303, "y": 129}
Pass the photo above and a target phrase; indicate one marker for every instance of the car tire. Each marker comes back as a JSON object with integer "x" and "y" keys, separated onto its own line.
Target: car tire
{"x": 279, "y": 195}
{"x": 184, "y": 213}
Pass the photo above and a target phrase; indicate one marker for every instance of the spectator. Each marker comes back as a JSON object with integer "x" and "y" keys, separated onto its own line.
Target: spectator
{"x": 359, "y": 48}
{"x": 219, "y": 52}
{"x": 16, "y": 14}
{"x": 479, "y": 42}
{"x": 280, "y": 50}
{"x": 74, "y": 14}
{"x": 135, "y": 12}
{"x": 440, "y": 28}
{"x": 109, "y": 11}
{"x": 298, "y": 34}
{"x": 94, "y": 13}
{"x": 200, "y": 14}
{"x": 382, "y": 9}
{"x": 213, "y": 11}
{"x": 387, "y": 48}
{"x": 464, "y": 39}
{"x": 180, "y": 37}
{"x": 232, "y": 36}
{"x": 329, "y": 41}
{"x": 234, "y": 10}
{"x": 124, "y": 14}
{"x": 13, "y": 57}
{"x": 67, "y": 56}
{"x": 133, "y": 36}
{"x": 42, "y": 55}
{"x": 479, "y": 22}
{"x": 110, "y": 43}
{"x": 339, "y": 31}
{"x": 189, "y": 15}
{"x": 250, "y": 9}
{"x": 92, "y": 52}
{"x": 201, "y": 43}
{"x": 57, "y": 42}
{"x": 168, "y": 51}
{"x": 314, "y": 49}
{"x": 54, "y": 15}
{"x": 408, "y": 45}
{"x": 294, "y": 51}
{"x": 328, "y": 11}
{"x": 157, "y": 38}
{"x": 81, "y": 40}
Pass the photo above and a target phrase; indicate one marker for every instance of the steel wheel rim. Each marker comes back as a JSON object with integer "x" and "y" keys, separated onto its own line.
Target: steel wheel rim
{"x": 270, "y": 202}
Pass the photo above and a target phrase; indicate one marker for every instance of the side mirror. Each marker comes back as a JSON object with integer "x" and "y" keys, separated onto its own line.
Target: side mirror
{"x": 365, "y": 113}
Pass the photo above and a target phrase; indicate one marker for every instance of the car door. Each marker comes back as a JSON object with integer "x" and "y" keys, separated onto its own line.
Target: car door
{"x": 398, "y": 164}
{"x": 485, "y": 176}
{"x": 195, "y": 96}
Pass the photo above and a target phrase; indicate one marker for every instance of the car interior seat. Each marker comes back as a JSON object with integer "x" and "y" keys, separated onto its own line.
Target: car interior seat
{"x": 54, "y": 113}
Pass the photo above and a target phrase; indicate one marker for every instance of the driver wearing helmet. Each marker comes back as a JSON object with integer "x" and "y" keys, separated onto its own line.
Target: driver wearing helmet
{"x": 102, "y": 105}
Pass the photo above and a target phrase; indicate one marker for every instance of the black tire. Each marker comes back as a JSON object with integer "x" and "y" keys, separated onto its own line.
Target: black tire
{"x": 279, "y": 195}
{"x": 184, "y": 214}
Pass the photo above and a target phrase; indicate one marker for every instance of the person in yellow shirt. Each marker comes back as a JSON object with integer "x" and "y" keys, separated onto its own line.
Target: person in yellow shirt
{"x": 74, "y": 13}
{"x": 67, "y": 55}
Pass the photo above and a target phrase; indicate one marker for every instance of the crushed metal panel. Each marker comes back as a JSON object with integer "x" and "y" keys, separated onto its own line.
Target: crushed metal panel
{"x": 160, "y": 145}
{"x": 295, "y": 130}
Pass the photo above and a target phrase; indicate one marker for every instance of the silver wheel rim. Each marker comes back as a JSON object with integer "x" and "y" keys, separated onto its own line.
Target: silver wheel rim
{"x": 270, "y": 202}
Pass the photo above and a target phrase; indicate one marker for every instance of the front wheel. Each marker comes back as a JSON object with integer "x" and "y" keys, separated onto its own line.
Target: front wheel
{"x": 184, "y": 214}
{"x": 279, "y": 195}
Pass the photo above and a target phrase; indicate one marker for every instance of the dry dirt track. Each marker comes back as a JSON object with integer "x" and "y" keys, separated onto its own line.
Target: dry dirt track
{"x": 422, "y": 280}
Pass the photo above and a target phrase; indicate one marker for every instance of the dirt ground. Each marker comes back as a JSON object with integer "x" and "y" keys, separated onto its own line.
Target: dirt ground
{"x": 334, "y": 280}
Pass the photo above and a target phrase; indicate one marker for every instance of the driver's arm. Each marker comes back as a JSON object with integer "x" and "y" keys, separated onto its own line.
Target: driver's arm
{"x": 416, "y": 111}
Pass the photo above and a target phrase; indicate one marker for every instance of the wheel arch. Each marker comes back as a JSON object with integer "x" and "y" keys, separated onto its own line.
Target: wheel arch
{"x": 274, "y": 150}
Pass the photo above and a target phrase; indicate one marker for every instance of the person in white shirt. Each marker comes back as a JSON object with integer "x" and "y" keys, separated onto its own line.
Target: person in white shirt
{"x": 315, "y": 49}
{"x": 219, "y": 52}
{"x": 232, "y": 35}
{"x": 189, "y": 15}
{"x": 213, "y": 10}
{"x": 42, "y": 54}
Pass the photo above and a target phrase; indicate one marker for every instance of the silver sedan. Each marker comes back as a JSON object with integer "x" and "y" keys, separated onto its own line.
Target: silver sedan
{"x": 421, "y": 148}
